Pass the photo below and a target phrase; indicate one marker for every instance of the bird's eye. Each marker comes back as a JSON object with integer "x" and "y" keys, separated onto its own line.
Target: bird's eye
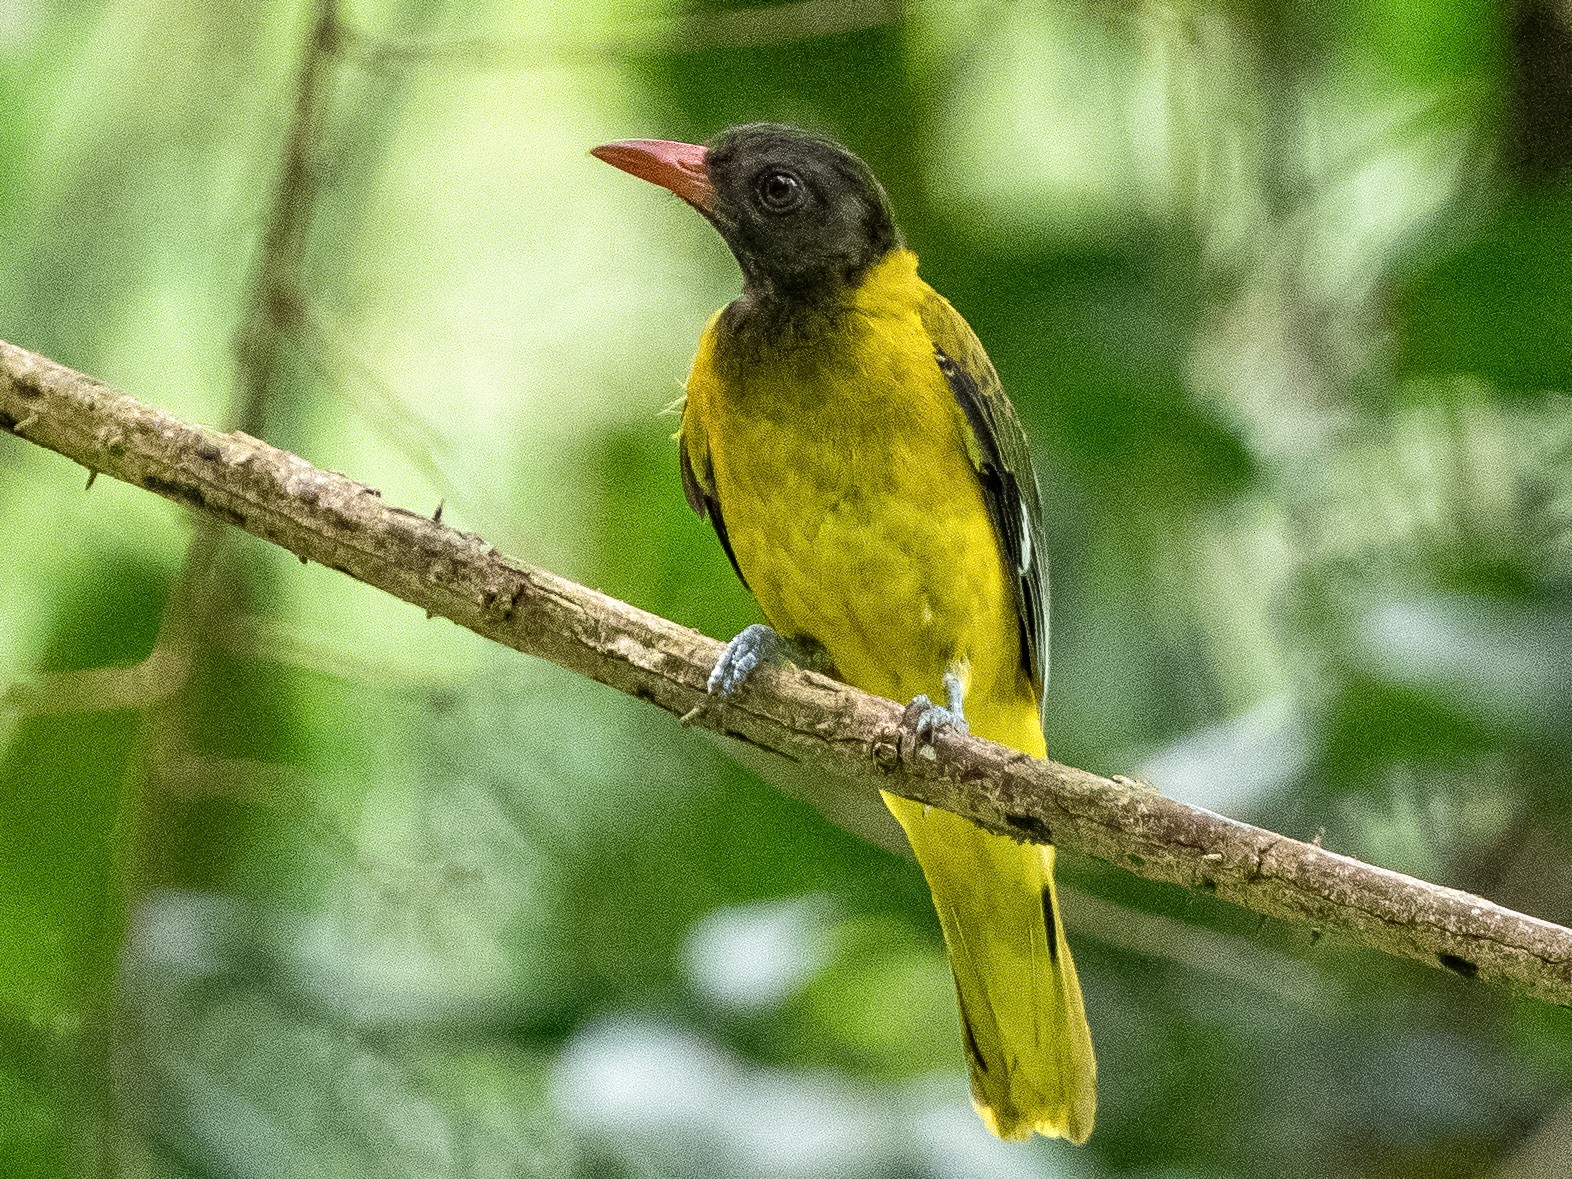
{"x": 780, "y": 192}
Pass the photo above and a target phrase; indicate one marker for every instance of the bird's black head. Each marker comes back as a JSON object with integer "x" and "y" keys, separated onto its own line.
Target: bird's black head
{"x": 804, "y": 216}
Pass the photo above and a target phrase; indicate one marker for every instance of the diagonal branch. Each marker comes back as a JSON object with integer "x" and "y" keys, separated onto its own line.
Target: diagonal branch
{"x": 325, "y": 517}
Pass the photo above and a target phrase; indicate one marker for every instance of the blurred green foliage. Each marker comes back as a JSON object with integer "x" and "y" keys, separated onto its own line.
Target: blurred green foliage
{"x": 329, "y": 889}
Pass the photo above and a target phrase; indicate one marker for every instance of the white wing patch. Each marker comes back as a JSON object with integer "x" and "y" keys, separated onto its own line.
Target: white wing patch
{"x": 1026, "y": 540}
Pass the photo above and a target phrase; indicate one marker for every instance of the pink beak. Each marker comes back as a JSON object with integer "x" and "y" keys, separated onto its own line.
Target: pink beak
{"x": 678, "y": 167}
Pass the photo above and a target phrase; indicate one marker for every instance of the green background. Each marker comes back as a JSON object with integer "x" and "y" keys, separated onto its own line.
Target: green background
{"x": 1284, "y": 295}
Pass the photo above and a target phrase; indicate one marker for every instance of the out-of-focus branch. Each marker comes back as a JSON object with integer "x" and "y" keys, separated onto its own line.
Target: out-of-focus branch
{"x": 275, "y": 300}
{"x": 209, "y": 582}
{"x": 805, "y": 718}
{"x": 694, "y": 32}
{"x": 166, "y": 767}
{"x": 1539, "y": 92}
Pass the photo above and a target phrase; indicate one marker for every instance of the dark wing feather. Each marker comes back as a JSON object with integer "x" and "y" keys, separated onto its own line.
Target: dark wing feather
{"x": 703, "y": 502}
{"x": 1004, "y": 465}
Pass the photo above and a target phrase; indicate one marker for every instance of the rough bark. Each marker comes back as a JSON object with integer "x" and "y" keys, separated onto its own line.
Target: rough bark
{"x": 808, "y": 719}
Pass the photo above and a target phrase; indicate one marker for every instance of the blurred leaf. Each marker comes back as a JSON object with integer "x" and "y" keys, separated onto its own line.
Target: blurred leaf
{"x": 1495, "y": 304}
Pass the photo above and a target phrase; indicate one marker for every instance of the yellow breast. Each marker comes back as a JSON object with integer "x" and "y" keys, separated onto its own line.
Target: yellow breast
{"x": 840, "y": 465}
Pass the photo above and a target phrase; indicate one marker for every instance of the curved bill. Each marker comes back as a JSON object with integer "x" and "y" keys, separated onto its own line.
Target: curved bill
{"x": 678, "y": 167}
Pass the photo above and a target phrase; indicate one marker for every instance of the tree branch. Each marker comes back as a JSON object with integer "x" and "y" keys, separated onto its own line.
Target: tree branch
{"x": 808, "y": 719}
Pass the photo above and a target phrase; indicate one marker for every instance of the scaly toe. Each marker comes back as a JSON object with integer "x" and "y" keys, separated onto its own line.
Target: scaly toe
{"x": 930, "y": 719}
{"x": 754, "y": 645}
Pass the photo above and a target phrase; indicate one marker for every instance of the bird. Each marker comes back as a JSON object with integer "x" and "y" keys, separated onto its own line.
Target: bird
{"x": 847, "y": 437}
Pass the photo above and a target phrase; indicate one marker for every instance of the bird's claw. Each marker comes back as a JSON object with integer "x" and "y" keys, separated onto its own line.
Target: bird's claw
{"x": 756, "y": 644}
{"x": 928, "y": 720}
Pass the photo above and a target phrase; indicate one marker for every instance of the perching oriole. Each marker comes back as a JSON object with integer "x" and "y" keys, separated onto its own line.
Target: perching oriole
{"x": 849, "y": 440}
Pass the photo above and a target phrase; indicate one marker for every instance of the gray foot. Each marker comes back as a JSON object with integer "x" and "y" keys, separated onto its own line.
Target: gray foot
{"x": 756, "y": 645}
{"x": 929, "y": 719}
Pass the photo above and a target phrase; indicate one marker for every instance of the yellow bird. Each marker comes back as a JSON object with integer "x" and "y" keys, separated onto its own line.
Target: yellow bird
{"x": 848, "y": 438}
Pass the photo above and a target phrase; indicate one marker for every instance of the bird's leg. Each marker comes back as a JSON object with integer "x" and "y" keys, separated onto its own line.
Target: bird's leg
{"x": 928, "y": 718}
{"x": 756, "y": 645}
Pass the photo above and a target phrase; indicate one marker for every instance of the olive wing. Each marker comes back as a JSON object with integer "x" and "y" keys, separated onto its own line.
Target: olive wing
{"x": 999, "y": 450}
{"x": 700, "y": 494}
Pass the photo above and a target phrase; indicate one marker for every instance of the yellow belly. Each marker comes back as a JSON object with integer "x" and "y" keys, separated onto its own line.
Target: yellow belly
{"x": 858, "y": 519}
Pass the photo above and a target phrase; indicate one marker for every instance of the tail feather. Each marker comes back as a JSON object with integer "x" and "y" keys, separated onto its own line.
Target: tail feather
{"x": 1023, "y": 1023}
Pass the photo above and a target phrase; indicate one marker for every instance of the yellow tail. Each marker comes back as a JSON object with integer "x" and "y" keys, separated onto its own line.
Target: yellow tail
{"x": 1022, "y": 1020}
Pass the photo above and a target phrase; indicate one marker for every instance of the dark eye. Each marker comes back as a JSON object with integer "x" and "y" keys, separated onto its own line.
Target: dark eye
{"x": 779, "y": 192}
